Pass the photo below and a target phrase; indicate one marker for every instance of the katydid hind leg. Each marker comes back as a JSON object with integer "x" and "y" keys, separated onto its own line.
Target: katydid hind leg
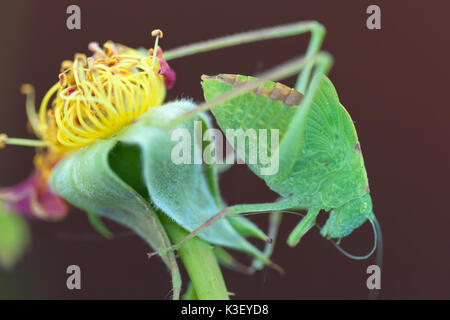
{"x": 317, "y": 35}
{"x": 316, "y": 30}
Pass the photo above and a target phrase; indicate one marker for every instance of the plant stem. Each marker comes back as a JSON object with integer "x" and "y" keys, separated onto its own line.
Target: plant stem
{"x": 200, "y": 262}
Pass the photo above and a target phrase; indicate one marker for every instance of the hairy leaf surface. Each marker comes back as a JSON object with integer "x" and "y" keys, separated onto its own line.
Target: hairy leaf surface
{"x": 131, "y": 176}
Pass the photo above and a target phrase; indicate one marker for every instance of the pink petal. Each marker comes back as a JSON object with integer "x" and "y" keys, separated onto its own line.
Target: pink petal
{"x": 33, "y": 198}
{"x": 166, "y": 71}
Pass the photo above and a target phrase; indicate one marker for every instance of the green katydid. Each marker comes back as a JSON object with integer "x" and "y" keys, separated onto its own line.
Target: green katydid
{"x": 321, "y": 164}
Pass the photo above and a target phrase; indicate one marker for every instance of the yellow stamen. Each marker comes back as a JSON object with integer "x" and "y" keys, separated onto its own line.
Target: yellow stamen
{"x": 4, "y": 140}
{"x": 99, "y": 95}
{"x": 158, "y": 34}
{"x": 28, "y": 91}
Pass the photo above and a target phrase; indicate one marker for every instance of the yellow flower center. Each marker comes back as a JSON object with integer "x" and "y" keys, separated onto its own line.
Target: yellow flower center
{"x": 98, "y": 96}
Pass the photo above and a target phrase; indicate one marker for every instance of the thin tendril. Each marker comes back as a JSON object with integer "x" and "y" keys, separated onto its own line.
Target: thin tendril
{"x": 158, "y": 34}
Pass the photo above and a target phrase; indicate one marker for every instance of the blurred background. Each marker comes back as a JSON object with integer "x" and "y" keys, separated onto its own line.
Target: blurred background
{"x": 393, "y": 82}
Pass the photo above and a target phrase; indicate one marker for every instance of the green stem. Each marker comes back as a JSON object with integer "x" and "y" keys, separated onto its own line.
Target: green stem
{"x": 200, "y": 262}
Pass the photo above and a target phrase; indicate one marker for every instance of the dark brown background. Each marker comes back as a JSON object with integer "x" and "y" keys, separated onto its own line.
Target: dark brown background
{"x": 394, "y": 82}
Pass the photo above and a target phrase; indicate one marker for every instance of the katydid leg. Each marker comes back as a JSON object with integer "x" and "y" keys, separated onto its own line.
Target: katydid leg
{"x": 317, "y": 35}
{"x": 304, "y": 226}
{"x": 242, "y": 208}
{"x": 316, "y": 29}
{"x": 282, "y": 204}
{"x": 274, "y": 226}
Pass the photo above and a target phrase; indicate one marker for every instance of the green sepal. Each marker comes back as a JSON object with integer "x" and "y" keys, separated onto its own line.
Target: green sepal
{"x": 98, "y": 225}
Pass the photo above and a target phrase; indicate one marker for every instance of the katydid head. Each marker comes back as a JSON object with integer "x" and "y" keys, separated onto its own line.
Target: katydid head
{"x": 348, "y": 217}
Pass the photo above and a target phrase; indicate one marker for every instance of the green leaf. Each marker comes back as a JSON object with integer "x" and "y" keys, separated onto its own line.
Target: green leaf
{"x": 86, "y": 180}
{"x": 131, "y": 178}
{"x": 181, "y": 191}
{"x": 14, "y": 238}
